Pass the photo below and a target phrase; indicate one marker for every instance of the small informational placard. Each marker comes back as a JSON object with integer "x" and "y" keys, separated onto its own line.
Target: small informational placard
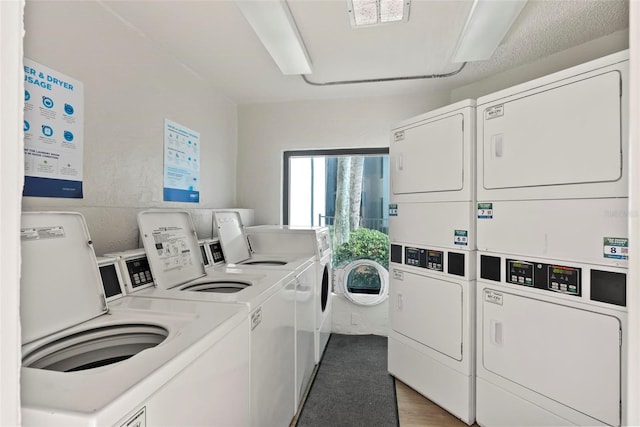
{"x": 53, "y": 132}
{"x": 616, "y": 247}
{"x": 181, "y": 163}
{"x": 493, "y": 297}
{"x": 461, "y": 237}
{"x": 485, "y": 210}
{"x": 393, "y": 209}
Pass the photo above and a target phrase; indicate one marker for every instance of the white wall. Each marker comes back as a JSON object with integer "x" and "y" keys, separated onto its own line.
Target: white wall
{"x": 586, "y": 52}
{"x": 130, "y": 87}
{"x": 11, "y": 177}
{"x": 349, "y": 318}
{"x": 266, "y": 130}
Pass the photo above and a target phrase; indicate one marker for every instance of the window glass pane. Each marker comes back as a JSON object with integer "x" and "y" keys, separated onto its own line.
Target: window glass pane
{"x": 364, "y": 280}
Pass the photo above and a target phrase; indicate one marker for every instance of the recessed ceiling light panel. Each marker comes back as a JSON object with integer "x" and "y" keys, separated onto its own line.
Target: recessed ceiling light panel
{"x": 364, "y": 13}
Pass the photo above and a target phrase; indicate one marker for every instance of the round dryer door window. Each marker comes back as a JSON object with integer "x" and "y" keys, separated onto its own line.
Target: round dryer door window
{"x": 363, "y": 282}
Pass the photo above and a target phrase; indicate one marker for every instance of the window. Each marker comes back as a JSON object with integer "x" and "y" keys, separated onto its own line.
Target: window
{"x": 348, "y": 191}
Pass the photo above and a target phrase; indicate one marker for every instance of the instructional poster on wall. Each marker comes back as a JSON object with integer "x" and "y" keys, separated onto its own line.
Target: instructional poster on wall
{"x": 181, "y": 163}
{"x": 53, "y": 132}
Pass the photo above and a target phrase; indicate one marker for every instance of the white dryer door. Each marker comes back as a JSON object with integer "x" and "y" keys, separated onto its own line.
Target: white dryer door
{"x": 566, "y": 354}
{"x": 564, "y": 132}
{"x": 427, "y": 310}
{"x": 428, "y": 157}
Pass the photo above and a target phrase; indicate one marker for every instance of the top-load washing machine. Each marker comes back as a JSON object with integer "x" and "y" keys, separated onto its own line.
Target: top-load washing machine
{"x": 238, "y": 252}
{"x": 432, "y": 259}
{"x": 132, "y": 361}
{"x": 552, "y": 248}
{"x": 174, "y": 262}
{"x": 285, "y": 239}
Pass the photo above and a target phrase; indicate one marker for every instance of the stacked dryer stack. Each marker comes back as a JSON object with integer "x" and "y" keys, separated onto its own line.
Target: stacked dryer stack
{"x": 432, "y": 268}
{"x": 552, "y": 248}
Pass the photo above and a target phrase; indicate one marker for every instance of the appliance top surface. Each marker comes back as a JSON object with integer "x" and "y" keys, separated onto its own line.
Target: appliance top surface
{"x": 193, "y": 326}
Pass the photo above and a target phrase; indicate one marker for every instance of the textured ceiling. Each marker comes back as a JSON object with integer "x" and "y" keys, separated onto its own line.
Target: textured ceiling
{"x": 221, "y": 48}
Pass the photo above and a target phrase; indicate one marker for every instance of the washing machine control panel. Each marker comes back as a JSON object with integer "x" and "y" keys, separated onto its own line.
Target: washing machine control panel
{"x": 216, "y": 252}
{"x": 139, "y": 272}
{"x": 549, "y": 277}
{"x": 425, "y": 258}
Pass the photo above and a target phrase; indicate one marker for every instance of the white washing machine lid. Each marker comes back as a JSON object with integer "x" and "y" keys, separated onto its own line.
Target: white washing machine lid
{"x": 60, "y": 286}
{"x": 232, "y": 236}
{"x": 172, "y": 248}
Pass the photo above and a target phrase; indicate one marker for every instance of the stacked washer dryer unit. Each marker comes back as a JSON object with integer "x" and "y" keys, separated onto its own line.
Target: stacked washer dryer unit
{"x": 552, "y": 248}
{"x": 286, "y": 239}
{"x": 432, "y": 262}
{"x": 131, "y": 361}
{"x": 238, "y": 253}
{"x": 174, "y": 259}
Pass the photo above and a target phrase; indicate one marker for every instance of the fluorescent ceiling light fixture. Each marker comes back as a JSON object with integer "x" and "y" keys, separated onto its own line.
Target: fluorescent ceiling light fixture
{"x": 274, "y": 25}
{"x": 487, "y": 24}
{"x": 364, "y": 13}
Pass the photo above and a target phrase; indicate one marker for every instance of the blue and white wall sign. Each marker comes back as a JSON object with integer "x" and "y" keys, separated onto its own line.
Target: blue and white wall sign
{"x": 181, "y": 163}
{"x": 53, "y": 132}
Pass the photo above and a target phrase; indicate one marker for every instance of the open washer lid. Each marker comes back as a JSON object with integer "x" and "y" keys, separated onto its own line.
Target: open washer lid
{"x": 232, "y": 236}
{"x": 171, "y": 244}
{"x": 60, "y": 286}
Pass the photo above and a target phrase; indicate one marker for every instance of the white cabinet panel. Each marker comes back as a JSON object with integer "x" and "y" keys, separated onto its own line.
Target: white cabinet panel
{"x": 567, "y": 354}
{"x": 427, "y": 310}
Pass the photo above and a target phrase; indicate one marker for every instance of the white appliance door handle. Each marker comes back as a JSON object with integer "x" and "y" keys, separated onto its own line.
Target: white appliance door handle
{"x": 497, "y": 146}
{"x": 399, "y": 162}
{"x": 400, "y": 302}
{"x": 496, "y": 332}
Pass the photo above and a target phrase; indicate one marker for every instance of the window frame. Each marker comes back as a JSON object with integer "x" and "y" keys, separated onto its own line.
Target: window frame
{"x": 332, "y": 152}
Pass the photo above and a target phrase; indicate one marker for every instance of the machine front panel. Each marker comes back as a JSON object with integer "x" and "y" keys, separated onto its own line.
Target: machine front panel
{"x": 569, "y": 229}
{"x": 438, "y": 224}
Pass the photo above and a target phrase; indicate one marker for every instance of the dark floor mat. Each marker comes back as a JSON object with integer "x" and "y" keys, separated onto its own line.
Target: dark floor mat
{"x": 352, "y": 386}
